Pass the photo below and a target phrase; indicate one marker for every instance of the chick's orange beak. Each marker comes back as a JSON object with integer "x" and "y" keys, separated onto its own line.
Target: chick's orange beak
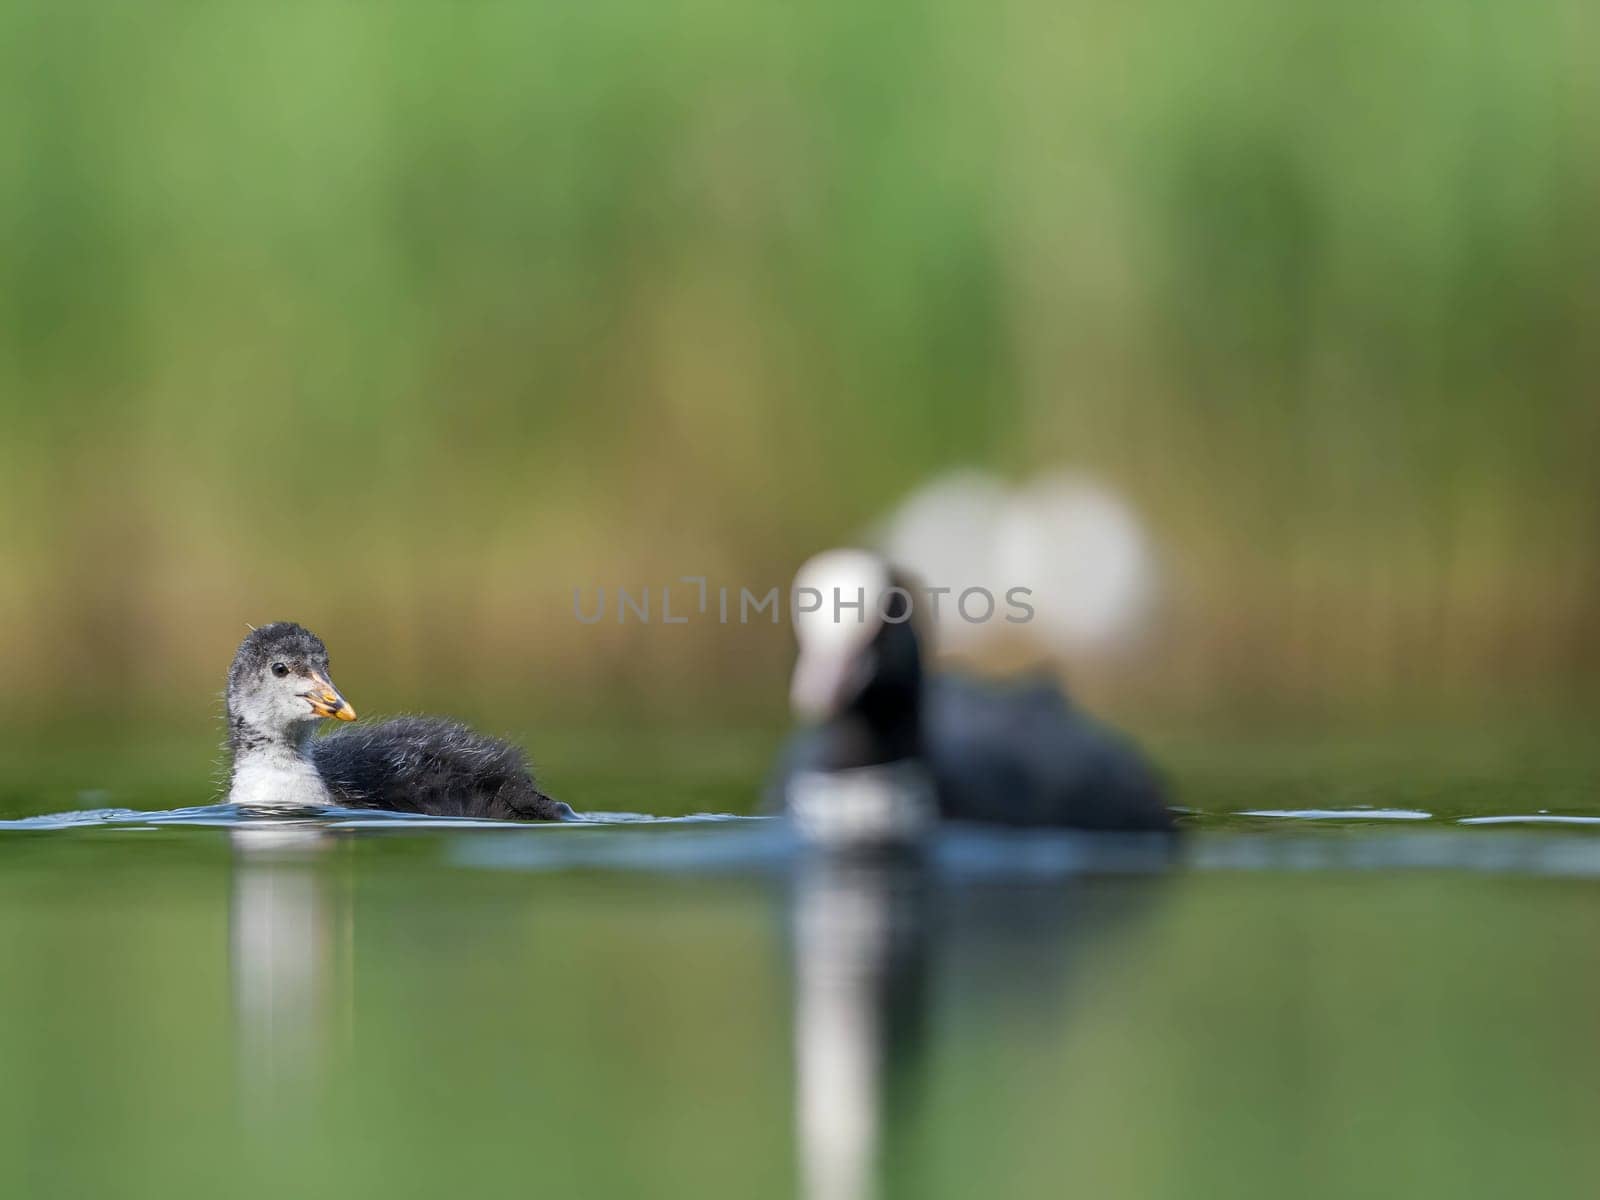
{"x": 326, "y": 701}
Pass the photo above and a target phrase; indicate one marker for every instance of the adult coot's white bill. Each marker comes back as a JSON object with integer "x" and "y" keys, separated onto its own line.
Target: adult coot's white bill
{"x": 889, "y": 745}
{"x": 279, "y": 688}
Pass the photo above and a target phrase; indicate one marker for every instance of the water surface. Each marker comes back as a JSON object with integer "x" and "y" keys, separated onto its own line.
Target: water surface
{"x": 1305, "y": 1000}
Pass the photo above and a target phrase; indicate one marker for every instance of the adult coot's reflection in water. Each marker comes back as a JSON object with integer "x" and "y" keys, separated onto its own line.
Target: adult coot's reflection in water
{"x": 885, "y": 942}
{"x": 860, "y": 991}
{"x": 889, "y": 746}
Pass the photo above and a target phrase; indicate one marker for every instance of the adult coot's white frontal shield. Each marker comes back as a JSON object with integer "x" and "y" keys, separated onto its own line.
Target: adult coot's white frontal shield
{"x": 837, "y": 609}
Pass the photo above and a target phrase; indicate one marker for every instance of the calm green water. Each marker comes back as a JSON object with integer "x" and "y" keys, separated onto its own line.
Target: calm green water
{"x": 1365, "y": 1004}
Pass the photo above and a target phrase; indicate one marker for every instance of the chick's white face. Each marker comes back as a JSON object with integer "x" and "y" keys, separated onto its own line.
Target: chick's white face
{"x": 835, "y": 632}
{"x": 283, "y": 692}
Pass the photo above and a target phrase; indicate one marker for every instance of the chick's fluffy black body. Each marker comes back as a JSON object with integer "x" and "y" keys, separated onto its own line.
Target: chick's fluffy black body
{"x": 427, "y": 765}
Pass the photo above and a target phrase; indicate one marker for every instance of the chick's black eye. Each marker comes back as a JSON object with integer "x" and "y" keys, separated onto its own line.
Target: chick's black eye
{"x": 280, "y": 669}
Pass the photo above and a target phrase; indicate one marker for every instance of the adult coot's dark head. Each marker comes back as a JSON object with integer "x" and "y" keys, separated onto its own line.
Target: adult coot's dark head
{"x": 856, "y": 776}
{"x": 860, "y": 659}
{"x": 278, "y": 686}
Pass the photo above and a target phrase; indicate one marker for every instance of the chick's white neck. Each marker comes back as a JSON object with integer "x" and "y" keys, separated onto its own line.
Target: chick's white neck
{"x": 277, "y": 774}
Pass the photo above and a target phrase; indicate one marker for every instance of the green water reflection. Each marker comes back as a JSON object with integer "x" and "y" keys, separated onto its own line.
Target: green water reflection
{"x": 203, "y": 1012}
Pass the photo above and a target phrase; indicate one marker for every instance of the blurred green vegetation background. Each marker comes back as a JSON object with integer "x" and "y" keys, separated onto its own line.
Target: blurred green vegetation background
{"x": 405, "y": 320}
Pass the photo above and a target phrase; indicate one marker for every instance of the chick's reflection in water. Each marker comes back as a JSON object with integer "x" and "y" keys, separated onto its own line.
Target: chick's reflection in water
{"x": 289, "y": 932}
{"x": 883, "y": 942}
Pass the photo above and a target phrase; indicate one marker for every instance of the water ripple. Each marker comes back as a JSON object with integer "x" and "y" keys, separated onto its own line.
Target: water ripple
{"x": 1282, "y": 840}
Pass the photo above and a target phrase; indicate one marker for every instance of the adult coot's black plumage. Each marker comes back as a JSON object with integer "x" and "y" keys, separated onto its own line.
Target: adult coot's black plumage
{"x": 279, "y": 688}
{"x": 882, "y": 732}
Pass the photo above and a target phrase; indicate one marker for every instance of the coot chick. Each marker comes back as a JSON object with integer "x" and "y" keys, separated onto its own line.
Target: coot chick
{"x": 279, "y": 688}
{"x": 882, "y": 732}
